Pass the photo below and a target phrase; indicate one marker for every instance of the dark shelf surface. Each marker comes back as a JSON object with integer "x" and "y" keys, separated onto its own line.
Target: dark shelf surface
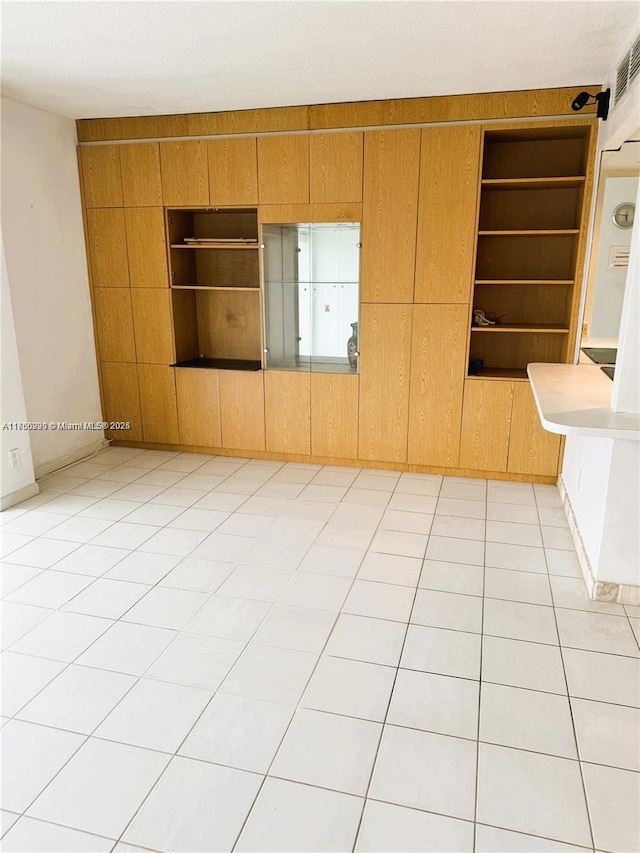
{"x": 610, "y": 371}
{"x": 601, "y": 355}
{"x": 220, "y": 364}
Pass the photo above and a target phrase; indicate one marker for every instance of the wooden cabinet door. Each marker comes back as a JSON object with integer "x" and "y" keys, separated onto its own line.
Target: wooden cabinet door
{"x": 152, "y": 325}
{"x": 185, "y": 173}
{"x": 146, "y": 247}
{"x": 101, "y": 175}
{"x": 385, "y": 359}
{"x": 438, "y": 362}
{"x": 335, "y": 162}
{"x": 390, "y": 207}
{"x": 198, "y": 394}
{"x": 107, "y": 247}
{"x": 532, "y": 450}
{"x": 114, "y": 323}
{"x": 486, "y": 424}
{"x": 233, "y": 171}
{"x": 158, "y": 403}
{"x": 141, "y": 181}
{"x": 120, "y": 399}
{"x": 283, "y": 169}
{"x": 447, "y": 213}
{"x": 287, "y": 406}
{"x": 242, "y": 409}
{"x": 334, "y": 415}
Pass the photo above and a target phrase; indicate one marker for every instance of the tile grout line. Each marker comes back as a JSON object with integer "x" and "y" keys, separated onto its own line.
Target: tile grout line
{"x": 573, "y": 725}
{"x": 480, "y": 688}
{"x": 392, "y": 691}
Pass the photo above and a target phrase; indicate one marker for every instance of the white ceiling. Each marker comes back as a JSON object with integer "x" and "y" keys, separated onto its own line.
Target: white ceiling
{"x": 90, "y": 59}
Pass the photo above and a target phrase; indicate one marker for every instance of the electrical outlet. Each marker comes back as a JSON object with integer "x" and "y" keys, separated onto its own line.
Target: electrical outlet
{"x": 585, "y": 330}
{"x": 14, "y": 458}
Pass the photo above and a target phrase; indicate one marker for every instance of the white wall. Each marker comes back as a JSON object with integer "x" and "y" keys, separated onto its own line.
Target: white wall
{"x": 602, "y": 476}
{"x": 608, "y": 285}
{"x": 12, "y": 406}
{"x": 46, "y": 265}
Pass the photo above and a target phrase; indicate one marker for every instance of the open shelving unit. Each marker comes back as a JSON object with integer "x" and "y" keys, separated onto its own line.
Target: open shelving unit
{"x": 529, "y": 224}
{"x": 215, "y": 287}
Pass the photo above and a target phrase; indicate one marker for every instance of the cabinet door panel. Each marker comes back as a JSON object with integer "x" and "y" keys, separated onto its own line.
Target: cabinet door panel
{"x": 438, "y": 364}
{"x": 120, "y": 399}
{"x": 101, "y": 175}
{"x": 287, "y": 397}
{"x": 158, "y": 403}
{"x": 242, "y": 410}
{"x": 114, "y": 323}
{"x": 283, "y": 169}
{"x": 447, "y": 215}
{"x": 335, "y": 161}
{"x": 385, "y": 356}
{"x": 107, "y": 245}
{"x": 390, "y": 208}
{"x": 185, "y": 173}
{"x": 152, "y": 325}
{"x": 198, "y": 393}
{"x": 486, "y": 424}
{"x": 233, "y": 171}
{"x": 146, "y": 247}
{"x": 532, "y": 450}
{"x": 141, "y": 182}
{"x": 334, "y": 415}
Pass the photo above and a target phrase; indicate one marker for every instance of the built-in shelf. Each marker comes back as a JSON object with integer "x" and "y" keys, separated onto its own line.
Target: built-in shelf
{"x": 538, "y": 232}
{"x": 226, "y": 288}
{"x": 533, "y": 183}
{"x": 225, "y": 246}
{"x": 524, "y": 328}
{"x": 511, "y": 374}
{"x": 220, "y": 364}
{"x": 533, "y": 281}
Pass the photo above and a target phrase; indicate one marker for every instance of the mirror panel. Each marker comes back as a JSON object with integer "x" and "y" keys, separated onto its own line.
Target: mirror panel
{"x": 311, "y": 285}
{"x": 613, "y": 226}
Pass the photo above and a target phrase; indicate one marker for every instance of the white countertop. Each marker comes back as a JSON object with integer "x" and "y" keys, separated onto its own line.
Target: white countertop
{"x": 575, "y": 399}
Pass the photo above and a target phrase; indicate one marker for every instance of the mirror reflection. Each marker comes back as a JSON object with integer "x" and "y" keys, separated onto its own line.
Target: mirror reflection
{"x": 613, "y": 226}
{"x": 311, "y": 285}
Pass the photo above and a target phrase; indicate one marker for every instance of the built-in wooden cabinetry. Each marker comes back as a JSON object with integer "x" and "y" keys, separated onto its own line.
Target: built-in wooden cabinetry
{"x": 530, "y": 223}
{"x": 453, "y": 217}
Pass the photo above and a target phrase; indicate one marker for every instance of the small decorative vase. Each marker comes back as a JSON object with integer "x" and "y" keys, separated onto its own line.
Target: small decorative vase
{"x": 352, "y": 347}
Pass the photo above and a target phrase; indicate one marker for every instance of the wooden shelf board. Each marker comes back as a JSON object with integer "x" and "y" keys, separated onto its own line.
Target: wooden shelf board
{"x": 526, "y": 281}
{"x": 512, "y": 374}
{"x": 208, "y": 287}
{"x": 530, "y": 233}
{"x": 533, "y": 183}
{"x": 527, "y": 328}
{"x": 524, "y": 328}
{"x": 224, "y": 246}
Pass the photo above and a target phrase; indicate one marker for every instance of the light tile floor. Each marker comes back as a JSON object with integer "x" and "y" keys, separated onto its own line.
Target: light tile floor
{"x": 216, "y": 654}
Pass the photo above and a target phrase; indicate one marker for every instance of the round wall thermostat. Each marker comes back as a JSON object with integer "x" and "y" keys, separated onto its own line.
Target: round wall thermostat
{"x": 624, "y": 214}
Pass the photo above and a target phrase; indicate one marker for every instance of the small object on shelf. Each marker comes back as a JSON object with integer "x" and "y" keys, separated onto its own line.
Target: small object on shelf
{"x": 352, "y": 347}
{"x": 475, "y": 366}
{"x": 481, "y": 319}
{"x": 220, "y": 240}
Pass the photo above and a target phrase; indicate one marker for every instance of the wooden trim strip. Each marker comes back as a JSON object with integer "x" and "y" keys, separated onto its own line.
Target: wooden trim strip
{"x": 442, "y": 108}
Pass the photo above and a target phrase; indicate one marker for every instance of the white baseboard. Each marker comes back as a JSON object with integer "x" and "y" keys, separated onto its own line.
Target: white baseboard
{"x": 613, "y": 593}
{"x": 80, "y": 455}
{"x": 20, "y": 495}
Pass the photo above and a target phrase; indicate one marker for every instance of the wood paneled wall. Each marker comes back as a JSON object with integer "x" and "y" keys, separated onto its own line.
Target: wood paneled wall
{"x": 477, "y": 107}
{"x": 416, "y": 193}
